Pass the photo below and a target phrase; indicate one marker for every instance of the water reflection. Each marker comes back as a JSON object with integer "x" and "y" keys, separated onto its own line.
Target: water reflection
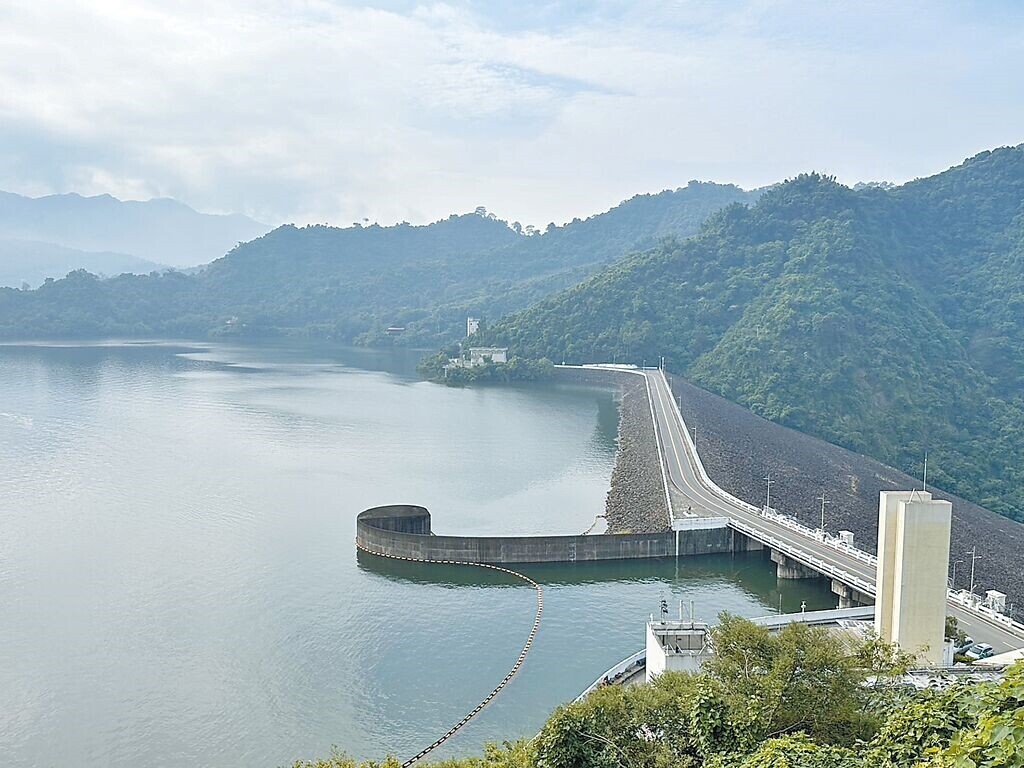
{"x": 178, "y": 580}
{"x": 752, "y": 572}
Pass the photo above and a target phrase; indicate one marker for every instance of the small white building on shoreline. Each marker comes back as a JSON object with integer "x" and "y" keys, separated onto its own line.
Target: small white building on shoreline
{"x": 477, "y": 356}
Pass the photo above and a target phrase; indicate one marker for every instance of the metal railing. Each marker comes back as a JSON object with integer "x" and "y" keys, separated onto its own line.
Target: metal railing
{"x": 617, "y": 672}
{"x": 968, "y": 603}
{"x": 819, "y": 535}
{"x": 973, "y": 603}
{"x": 823, "y": 566}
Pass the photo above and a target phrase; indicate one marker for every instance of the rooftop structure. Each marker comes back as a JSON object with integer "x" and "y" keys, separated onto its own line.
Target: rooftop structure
{"x": 677, "y": 646}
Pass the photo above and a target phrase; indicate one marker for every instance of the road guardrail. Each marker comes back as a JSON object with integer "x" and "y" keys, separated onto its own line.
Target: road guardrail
{"x": 969, "y": 604}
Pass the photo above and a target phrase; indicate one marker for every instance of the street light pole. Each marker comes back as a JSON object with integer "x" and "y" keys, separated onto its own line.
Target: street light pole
{"x": 824, "y": 501}
{"x": 974, "y": 557}
{"x": 768, "y": 495}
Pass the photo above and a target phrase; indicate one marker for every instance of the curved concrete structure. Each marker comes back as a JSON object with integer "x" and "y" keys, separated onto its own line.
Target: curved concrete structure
{"x": 403, "y": 531}
{"x": 406, "y": 516}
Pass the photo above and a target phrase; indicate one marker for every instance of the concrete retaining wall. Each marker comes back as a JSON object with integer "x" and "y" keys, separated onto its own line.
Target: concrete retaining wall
{"x": 404, "y": 531}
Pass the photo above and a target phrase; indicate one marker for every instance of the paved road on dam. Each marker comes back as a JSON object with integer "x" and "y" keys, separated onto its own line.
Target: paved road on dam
{"x": 684, "y": 474}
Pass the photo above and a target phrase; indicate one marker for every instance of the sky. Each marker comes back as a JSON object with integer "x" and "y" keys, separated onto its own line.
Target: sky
{"x": 315, "y": 111}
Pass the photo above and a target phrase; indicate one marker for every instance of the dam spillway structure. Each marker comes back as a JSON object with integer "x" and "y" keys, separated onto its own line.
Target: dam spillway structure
{"x": 404, "y": 531}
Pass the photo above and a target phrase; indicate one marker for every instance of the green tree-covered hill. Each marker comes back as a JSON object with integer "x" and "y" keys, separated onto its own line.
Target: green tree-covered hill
{"x": 888, "y": 321}
{"x": 351, "y": 284}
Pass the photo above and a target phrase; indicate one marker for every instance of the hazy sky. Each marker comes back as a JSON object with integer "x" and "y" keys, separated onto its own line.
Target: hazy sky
{"x": 315, "y": 111}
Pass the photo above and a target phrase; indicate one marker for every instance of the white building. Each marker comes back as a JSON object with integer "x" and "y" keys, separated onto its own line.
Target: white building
{"x": 482, "y": 355}
{"x": 477, "y": 356}
{"x": 472, "y": 325}
{"x": 677, "y": 646}
{"x": 913, "y": 561}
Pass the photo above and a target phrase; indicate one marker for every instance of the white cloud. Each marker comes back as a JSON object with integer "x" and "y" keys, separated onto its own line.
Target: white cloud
{"x": 323, "y": 111}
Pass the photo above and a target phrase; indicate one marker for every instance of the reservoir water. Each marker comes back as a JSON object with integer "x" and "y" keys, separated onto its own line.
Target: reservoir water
{"x": 179, "y": 584}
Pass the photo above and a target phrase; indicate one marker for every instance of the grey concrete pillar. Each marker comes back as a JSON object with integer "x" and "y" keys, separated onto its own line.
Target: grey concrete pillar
{"x": 787, "y": 568}
{"x": 850, "y": 597}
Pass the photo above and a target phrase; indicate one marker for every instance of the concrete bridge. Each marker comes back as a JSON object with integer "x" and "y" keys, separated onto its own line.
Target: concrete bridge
{"x": 798, "y": 551}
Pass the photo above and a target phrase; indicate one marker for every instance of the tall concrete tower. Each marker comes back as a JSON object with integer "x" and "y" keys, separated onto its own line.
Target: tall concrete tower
{"x": 913, "y": 560}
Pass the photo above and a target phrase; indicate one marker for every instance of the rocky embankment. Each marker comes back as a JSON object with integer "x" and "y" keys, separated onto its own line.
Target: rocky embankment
{"x": 739, "y": 449}
{"x": 636, "y": 499}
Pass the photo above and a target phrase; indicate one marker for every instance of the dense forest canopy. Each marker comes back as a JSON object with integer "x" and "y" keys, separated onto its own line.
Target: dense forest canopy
{"x": 889, "y": 321}
{"x": 351, "y": 284}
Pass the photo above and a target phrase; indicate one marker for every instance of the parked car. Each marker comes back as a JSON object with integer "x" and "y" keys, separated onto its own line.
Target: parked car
{"x": 964, "y": 646}
{"x": 979, "y": 651}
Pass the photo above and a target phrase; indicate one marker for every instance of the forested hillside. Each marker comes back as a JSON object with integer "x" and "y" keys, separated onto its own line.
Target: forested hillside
{"x": 888, "y": 321}
{"x": 352, "y": 284}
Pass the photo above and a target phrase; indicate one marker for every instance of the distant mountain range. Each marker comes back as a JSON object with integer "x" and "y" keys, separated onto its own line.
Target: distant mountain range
{"x": 28, "y": 263}
{"x": 161, "y": 231}
{"x": 886, "y": 320}
{"x": 352, "y": 284}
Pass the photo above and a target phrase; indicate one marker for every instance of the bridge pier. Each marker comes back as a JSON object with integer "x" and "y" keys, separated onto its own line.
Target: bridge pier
{"x": 742, "y": 543}
{"x": 788, "y": 568}
{"x": 850, "y": 597}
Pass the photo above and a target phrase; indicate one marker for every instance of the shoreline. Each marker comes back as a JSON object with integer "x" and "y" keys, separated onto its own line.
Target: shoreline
{"x": 635, "y": 502}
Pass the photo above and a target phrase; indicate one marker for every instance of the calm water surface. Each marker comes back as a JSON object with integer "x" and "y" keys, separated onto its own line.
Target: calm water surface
{"x": 179, "y": 585}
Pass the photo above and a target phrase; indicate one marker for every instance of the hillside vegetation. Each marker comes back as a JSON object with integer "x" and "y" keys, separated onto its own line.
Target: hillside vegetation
{"x": 888, "y": 321}
{"x": 351, "y": 284}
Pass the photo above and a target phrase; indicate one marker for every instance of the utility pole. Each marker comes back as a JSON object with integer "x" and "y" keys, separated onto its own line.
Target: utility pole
{"x": 974, "y": 557}
{"x": 952, "y": 582}
{"x": 925, "y": 481}
{"x": 824, "y": 501}
{"x": 768, "y": 494}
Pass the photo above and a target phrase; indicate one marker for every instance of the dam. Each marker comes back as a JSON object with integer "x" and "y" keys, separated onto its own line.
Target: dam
{"x": 404, "y": 531}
